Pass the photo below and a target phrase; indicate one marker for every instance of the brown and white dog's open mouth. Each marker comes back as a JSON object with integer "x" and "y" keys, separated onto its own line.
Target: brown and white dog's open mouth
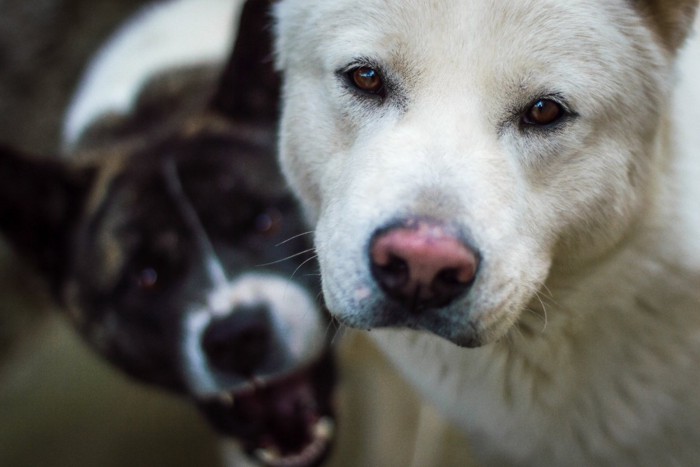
{"x": 286, "y": 421}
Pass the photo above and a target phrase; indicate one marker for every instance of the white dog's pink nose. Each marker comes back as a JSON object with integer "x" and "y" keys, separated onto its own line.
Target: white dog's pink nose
{"x": 422, "y": 264}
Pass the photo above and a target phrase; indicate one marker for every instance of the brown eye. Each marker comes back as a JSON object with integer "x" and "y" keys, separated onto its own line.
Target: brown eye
{"x": 543, "y": 112}
{"x": 367, "y": 79}
{"x": 147, "y": 279}
{"x": 269, "y": 222}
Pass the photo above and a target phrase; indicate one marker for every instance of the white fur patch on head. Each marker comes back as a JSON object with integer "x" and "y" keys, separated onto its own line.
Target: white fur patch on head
{"x": 160, "y": 37}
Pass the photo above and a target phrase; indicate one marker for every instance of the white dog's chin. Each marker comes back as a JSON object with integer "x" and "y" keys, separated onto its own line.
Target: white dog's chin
{"x": 466, "y": 323}
{"x": 455, "y": 323}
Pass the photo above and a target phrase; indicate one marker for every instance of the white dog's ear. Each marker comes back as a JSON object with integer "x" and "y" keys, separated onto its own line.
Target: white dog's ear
{"x": 672, "y": 20}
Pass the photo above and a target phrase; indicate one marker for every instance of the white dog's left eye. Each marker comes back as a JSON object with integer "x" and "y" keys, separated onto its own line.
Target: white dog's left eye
{"x": 543, "y": 112}
{"x": 367, "y": 79}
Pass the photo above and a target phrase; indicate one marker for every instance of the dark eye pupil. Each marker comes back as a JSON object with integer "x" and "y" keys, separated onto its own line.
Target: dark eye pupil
{"x": 269, "y": 222}
{"x": 544, "y": 112}
{"x": 367, "y": 79}
{"x": 147, "y": 279}
{"x": 263, "y": 223}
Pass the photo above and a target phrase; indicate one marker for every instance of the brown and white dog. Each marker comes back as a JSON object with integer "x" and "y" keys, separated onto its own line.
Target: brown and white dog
{"x": 168, "y": 235}
{"x": 513, "y": 185}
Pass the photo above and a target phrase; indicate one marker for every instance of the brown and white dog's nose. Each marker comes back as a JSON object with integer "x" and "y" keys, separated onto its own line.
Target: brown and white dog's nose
{"x": 240, "y": 342}
{"x": 422, "y": 264}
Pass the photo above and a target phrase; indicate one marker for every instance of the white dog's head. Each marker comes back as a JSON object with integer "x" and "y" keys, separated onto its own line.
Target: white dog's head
{"x": 452, "y": 153}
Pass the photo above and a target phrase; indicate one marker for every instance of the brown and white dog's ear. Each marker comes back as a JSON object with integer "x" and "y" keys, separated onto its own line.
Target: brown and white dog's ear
{"x": 249, "y": 86}
{"x": 672, "y": 20}
{"x": 40, "y": 201}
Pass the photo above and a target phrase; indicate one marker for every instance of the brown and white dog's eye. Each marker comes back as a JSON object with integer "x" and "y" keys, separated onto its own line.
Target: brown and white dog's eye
{"x": 543, "y": 112}
{"x": 152, "y": 274}
{"x": 146, "y": 279}
{"x": 367, "y": 79}
{"x": 269, "y": 223}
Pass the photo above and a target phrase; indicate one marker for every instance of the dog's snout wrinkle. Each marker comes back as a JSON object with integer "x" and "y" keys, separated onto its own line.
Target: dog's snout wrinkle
{"x": 422, "y": 264}
{"x": 241, "y": 341}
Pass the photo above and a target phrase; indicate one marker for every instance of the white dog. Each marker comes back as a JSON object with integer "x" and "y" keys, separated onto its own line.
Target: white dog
{"x": 516, "y": 177}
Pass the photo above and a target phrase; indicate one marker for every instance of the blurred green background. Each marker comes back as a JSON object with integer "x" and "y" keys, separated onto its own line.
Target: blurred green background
{"x": 59, "y": 404}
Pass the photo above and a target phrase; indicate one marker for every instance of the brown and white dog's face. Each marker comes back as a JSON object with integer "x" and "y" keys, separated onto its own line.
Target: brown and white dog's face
{"x": 185, "y": 264}
{"x": 190, "y": 272}
{"x": 451, "y": 154}
{"x": 180, "y": 271}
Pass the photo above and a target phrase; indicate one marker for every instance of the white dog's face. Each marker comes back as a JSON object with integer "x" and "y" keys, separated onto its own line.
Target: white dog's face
{"x": 452, "y": 154}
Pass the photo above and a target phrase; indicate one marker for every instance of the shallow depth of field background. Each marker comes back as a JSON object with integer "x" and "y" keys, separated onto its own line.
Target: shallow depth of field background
{"x": 60, "y": 405}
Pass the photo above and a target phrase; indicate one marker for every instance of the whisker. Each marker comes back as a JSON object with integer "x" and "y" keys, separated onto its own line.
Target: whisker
{"x": 339, "y": 333}
{"x": 546, "y": 289}
{"x": 302, "y": 265}
{"x": 294, "y": 237}
{"x": 535, "y": 313}
{"x": 338, "y": 327}
{"x": 517, "y": 330}
{"x": 549, "y": 295}
{"x": 328, "y": 328}
{"x": 544, "y": 310}
{"x": 285, "y": 259}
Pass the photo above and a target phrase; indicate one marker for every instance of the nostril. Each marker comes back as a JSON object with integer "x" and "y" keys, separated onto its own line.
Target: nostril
{"x": 457, "y": 276}
{"x": 240, "y": 342}
{"x": 422, "y": 263}
{"x": 451, "y": 282}
{"x": 393, "y": 271}
{"x": 451, "y": 276}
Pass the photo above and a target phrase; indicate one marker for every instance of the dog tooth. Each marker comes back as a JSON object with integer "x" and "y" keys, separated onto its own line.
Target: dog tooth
{"x": 227, "y": 399}
{"x": 268, "y": 456}
{"x": 324, "y": 428}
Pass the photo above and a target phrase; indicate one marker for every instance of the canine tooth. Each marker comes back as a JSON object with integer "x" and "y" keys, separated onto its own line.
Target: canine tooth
{"x": 268, "y": 456}
{"x": 227, "y": 399}
{"x": 324, "y": 428}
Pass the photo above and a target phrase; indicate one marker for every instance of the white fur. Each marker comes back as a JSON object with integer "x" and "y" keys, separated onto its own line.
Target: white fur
{"x": 587, "y": 301}
{"x": 161, "y": 37}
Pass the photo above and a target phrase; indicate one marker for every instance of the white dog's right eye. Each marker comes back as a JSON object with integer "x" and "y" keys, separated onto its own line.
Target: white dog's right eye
{"x": 543, "y": 112}
{"x": 367, "y": 79}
